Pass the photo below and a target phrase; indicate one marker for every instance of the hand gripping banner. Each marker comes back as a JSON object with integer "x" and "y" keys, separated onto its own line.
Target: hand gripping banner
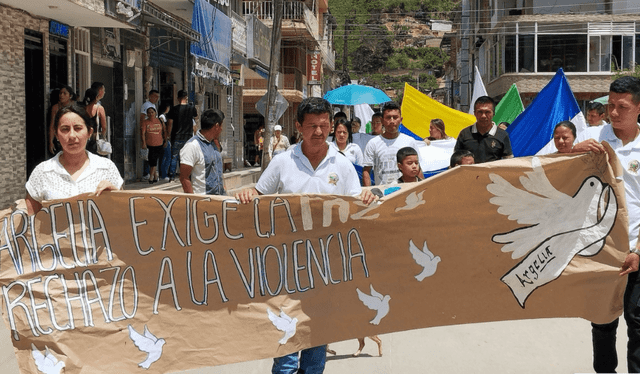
{"x": 159, "y": 282}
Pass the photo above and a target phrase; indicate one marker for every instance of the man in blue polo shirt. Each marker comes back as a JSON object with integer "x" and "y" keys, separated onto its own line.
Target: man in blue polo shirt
{"x": 484, "y": 139}
{"x": 200, "y": 159}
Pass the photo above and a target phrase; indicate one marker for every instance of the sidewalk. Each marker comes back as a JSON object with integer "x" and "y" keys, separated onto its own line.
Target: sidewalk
{"x": 234, "y": 181}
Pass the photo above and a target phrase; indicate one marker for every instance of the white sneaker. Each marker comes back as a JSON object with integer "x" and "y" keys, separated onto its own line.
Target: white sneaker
{"x": 145, "y": 177}
{"x": 256, "y": 164}
{"x": 166, "y": 179}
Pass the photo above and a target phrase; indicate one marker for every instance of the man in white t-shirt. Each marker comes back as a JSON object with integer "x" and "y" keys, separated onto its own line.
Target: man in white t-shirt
{"x": 623, "y": 134}
{"x": 152, "y": 101}
{"x": 380, "y": 152}
{"x": 309, "y": 167}
{"x": 200, "y": 159}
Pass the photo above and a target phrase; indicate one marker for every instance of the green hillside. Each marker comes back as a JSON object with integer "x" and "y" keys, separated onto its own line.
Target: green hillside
{"x": 387, "y": 42}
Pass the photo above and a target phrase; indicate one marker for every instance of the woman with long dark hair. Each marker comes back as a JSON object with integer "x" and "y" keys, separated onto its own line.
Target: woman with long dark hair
{"x": 74, "y": 170}
{"x": 97, "y": 118}
{"x": 66, "y": 97}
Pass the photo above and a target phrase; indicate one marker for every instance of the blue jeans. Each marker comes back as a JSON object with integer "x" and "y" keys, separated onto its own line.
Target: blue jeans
{"x": 165, "y": 161}
{"x": 311, "y": 360}
{"x": 175, "y": 156}
{"x": 605, "y": 358}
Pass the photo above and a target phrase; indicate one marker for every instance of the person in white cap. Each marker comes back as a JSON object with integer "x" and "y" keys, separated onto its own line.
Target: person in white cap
{"x": 279, "y": 143}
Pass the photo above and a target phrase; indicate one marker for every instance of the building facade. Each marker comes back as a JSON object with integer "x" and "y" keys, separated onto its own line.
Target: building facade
{"x": 526, "y": 41}
{"x": 45, "y": 45}
{"x": 307, "y": 58}
{"x": 134, "y": 46}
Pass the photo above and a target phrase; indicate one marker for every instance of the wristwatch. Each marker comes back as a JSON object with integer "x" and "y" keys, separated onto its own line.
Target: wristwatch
{"x": 635, "y": 250}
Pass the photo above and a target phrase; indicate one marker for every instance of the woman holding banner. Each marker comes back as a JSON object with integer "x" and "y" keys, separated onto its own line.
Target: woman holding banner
{"x": 75, "y": 170}
{"x": 564, "y": 134}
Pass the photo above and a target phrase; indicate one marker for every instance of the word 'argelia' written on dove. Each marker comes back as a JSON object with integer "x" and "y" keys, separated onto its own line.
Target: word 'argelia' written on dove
{"x": 561, "y": 226}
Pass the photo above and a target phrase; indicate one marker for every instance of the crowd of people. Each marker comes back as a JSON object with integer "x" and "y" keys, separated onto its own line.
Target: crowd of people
{"x": 316, "y": 165}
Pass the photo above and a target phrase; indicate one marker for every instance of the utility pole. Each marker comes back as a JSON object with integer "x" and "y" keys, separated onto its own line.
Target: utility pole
{"x": 345, "y": 50}
{"x": 272, "y": 88}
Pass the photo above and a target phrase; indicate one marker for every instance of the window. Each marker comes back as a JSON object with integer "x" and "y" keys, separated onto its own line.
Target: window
{"x": 525, "y": 53}
{"x": 510, "y": 54}
{"x": 567, "y": 52}
{"x": 82, "y": 46}
{"x": 638, "y": 47}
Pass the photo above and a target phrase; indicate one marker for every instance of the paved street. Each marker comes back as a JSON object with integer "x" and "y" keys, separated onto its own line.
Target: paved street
{"x": 560, "y": 345}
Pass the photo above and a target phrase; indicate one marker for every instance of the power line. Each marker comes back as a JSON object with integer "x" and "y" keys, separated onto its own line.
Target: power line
{"x": 503, "y": 23}
{"x": 555, "y": 6}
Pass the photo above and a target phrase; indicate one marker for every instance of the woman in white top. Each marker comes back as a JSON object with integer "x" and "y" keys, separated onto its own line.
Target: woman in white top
{"x": 73, "y": 171}
{"x": 342, "y": 141}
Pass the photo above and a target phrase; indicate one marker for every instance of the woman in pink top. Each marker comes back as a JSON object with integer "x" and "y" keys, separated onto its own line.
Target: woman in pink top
{"x": 154, "y": 138}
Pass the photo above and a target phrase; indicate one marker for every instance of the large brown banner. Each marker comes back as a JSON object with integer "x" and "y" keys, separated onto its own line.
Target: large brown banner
{"x": 164, "y": 282}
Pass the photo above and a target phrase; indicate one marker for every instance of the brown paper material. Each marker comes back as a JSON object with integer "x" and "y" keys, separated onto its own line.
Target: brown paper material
{"x": 216, "y": 282}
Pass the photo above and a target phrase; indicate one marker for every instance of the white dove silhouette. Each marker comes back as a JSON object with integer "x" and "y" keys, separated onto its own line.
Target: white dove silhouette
{"x": 47, "y": 362}
{"x": 424, "y": 258}
{"x": 283, "y": 323}
{"x": 548, "y": 210}
{"x": 376, "y": 302}
{"x": 147, "y": 343}
{"x": 412, "y": 201}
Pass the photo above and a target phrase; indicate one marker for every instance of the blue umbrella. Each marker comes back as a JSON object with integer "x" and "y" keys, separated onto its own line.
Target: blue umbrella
{"x": 604, "y": 100}
{"x": 354, "y": 94}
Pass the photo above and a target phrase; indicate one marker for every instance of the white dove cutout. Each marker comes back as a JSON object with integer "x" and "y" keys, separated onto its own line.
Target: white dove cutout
{"x": 424, "y": 258}
{"x": 412, "y": 201}
{"x": 283, "y": 323}
{"x": 46, "y": 363}
{"x": 542, "y": 206}
{"x": 147, "y": 343}
{"x": 376, "y": 302}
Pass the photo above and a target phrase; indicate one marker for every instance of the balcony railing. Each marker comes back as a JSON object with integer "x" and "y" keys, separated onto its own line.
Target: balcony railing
{"x": 292, "y": 10}
{"x": 293, "y": 79}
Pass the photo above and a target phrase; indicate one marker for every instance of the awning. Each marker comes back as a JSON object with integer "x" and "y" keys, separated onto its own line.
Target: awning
{"x": 154, "y": 14}
{"x": 213, "y": 51}
{"x": 252, "y": 96}
{"x": 206, "y": 68}
{"x": 67, "y": 12}
{"x": 262, "y": 72}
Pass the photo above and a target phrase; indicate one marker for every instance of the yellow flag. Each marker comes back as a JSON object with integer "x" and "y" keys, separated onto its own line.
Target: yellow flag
{"x": 419, "y": 109}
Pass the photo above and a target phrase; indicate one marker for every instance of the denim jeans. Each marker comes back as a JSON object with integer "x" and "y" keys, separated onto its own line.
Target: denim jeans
{"x": 605, "y": 358}
{"x": 165, "y": 161}
{"x": 312, "y": 361}
{"x": 175, "y": 156}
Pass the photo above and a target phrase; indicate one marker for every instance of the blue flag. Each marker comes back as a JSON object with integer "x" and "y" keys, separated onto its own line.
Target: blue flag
{"x": 533, "y": 128}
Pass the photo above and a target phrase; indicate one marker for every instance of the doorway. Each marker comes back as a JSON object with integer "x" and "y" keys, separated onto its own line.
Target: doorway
{"x": 58, "y": 74}
{"x": 34, "y": 86}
